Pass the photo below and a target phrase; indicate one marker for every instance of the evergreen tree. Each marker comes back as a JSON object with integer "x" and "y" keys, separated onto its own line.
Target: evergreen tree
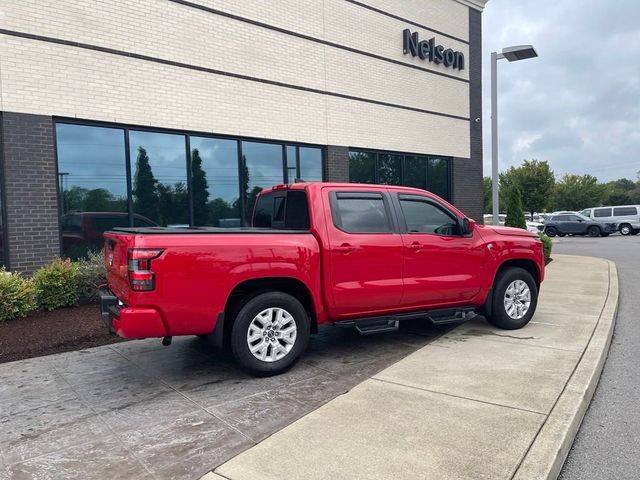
{"x": 515, "y": 214}
{"x": 145, "y": 187}
{"x": 199, "y": 186}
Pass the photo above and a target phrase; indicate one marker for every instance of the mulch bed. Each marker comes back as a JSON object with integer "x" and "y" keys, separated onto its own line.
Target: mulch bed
{"x": 44, "y": 333}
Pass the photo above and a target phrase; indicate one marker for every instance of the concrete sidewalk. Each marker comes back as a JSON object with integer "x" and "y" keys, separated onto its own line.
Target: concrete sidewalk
{"x": 477, "y": 403}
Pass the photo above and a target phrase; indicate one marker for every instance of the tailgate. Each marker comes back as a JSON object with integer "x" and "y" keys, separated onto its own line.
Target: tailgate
{"x": 116, "y": 247}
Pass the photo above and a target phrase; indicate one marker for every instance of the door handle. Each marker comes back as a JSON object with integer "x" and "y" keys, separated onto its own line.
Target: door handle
{"x": 415, "y": 246}
{"x": 345, "y": 248}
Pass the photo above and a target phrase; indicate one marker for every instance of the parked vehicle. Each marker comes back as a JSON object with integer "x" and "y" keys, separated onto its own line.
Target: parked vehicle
{"x": 535, "y": 227}
{"x": 627, "y": 217}
{"x": 577, "y": 224}
{"x": 488, "y": 218}
{"x": 359, "y": 256}
{"x": 85, "y": 229}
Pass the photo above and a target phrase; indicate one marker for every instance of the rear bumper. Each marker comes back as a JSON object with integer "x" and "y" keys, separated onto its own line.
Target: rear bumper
{"x": 129, "y": 322}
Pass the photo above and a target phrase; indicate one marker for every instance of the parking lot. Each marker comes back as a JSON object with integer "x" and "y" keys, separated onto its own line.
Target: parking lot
{"x": 607, "y": 443}
{"x": 139, "y": 410}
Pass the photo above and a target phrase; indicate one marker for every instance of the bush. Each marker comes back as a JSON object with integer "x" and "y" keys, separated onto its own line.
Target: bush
{"x": 91, "y": 274}
{"x": 546, "y": 245}
{"x": 57, "y": 284}
{"x": 17, "y": 296}
{"x": 515, "y": 214}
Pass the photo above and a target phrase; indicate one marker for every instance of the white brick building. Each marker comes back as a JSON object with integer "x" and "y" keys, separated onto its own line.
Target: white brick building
{"x": 266, "y": 91}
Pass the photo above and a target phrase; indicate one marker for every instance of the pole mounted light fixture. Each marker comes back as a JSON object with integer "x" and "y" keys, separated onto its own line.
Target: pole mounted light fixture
{"x": 512, "y": 54}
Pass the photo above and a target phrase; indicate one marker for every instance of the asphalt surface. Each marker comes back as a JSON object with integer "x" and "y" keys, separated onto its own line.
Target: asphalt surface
{"x": 608, "y": 443}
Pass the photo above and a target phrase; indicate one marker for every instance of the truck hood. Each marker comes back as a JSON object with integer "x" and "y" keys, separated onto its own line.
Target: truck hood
{"x": 509, "y": 231}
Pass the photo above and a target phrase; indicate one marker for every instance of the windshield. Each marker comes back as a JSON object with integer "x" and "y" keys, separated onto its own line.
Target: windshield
{"x": 582, "y": 217}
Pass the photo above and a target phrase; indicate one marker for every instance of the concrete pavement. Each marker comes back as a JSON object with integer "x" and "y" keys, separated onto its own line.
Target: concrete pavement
{"x": 476, "y": 403}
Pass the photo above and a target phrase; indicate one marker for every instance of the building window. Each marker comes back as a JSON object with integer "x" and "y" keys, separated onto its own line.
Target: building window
{"x": 3, "y": 262}
{"x": 159, "y": 177}
{"x": 388, "y": 168}
{"x": 214, "y": 182}
{"x": 362, "y": 167}
{"x": 214, "y": 186}
{"x": 92, "y": 178}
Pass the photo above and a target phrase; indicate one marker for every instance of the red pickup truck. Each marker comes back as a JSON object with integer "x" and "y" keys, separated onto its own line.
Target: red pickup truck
{"x": 364, "y": 256}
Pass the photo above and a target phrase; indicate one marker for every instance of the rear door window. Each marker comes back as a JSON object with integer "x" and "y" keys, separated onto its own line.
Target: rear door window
{"x": 360, "y": 212}
{"x": 282, "y": 210}
{"x": 624, "y": 211}
{"x": 601, "y": 212}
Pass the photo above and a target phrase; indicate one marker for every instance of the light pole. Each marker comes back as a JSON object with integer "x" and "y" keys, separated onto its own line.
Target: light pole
{"x": 512, "y": 54}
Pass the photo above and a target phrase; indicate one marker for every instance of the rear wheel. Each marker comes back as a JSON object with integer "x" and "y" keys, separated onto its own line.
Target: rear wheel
{"x": 515, "y": 297}
{"x": 593, "y": 231}
{"x": 551, "y": 231}
{"x": 270, "y": 333}
{"x": 625, "y": 229}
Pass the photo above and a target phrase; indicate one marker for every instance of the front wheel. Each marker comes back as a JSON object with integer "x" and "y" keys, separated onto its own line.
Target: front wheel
{"x": 593, "y": 231}
{"x": 515, "y": 297}
{"x": 551, "y": 231}
{"x": 270, "y": 333}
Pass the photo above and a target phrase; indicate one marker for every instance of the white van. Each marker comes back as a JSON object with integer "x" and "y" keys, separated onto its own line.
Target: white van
{"x": 626, "y": 216}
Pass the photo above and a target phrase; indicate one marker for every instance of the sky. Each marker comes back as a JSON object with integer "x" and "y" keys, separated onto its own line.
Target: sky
{"x": 578, "y": 104}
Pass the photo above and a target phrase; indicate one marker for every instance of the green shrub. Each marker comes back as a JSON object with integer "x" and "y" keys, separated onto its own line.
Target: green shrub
{"x": 57, "y": 284}
{"x": 17, "y": 296}
{"x": 547, "y": 244}
{"x": 515, "y": 214}
{"x": 91, "y": 274}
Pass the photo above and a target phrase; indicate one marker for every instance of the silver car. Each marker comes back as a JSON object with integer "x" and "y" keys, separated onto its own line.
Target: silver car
{"x": 627, "y": 217}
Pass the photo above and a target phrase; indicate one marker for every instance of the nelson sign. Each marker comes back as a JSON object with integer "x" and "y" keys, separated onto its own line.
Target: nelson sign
{"x": 428, "y": 50}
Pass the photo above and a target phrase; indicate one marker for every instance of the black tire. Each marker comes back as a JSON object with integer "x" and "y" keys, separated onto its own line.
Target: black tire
{"x": 551, "y": 231}
{"x": 593, "y": 231}
{"x": 635, "y": 232}
{"x": 605, "y": 234}
{"x": 625, "y": 229}
{"x": 499, "y": 316}
{"x": 239, "y": 343}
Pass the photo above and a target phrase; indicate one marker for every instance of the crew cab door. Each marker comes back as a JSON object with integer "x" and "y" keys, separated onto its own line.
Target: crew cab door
{"x": 442, "y": 267}
{"x": 365, "y": 252}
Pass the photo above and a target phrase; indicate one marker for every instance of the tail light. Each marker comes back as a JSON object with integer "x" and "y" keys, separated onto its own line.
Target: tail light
{"x": 141, "y": 277}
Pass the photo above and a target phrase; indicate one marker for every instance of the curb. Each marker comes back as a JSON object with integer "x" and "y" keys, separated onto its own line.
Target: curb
{"x": 549, "y": 449}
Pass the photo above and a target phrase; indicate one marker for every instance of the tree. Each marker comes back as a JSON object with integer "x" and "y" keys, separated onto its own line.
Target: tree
{"x": 487, "y": 188}
{"x": 145, "y": 187}
{"x": 575, "y": 192}
{"x": 535, "y": 179}
{"x": 199, "y": 189}
{"x": 621, "y": 192}
{"x": 515, "y": 214}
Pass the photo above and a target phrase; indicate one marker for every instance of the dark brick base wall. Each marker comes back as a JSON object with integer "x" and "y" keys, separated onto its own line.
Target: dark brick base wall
{"x": 337, "y": 164}
{"x": 31, "y": 198}
{"x": 467, "y": 172}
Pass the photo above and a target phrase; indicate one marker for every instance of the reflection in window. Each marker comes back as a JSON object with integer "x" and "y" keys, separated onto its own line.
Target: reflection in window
{"x": 2, "y": 257}
{"x": 438, "y": 175}
{"x": 362, "y": 167}
{"x": 159, "y": 177}
{"x": 214, "y": 182}
{"x": 263, "y": 167}
{"x": 310, "y": 164}
{"x": 415, "y": 173}
{"x": 389, "y": 169}
{"x": 92, "y": 178}
{"x": 292, "y": 164}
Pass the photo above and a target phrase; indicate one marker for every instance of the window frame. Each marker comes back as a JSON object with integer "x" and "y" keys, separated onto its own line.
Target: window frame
{"x": 635, "y": 211}
{"x": 597, "y": 210}
{"x": 127, "y": 128}
{"x": 403, "y": 167}
{"x": 336, "y": 218}
{"x": 404, "y": 229}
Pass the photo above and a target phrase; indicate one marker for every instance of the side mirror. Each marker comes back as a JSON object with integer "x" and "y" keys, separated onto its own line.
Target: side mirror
{"x": 468, "y": 225}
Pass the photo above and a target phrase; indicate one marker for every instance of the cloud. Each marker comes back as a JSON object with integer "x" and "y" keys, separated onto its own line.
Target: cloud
{"x": 578, "y": 104}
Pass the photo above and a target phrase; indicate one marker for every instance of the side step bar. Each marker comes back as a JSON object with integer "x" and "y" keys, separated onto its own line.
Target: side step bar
{"x": 371, "y": 325}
